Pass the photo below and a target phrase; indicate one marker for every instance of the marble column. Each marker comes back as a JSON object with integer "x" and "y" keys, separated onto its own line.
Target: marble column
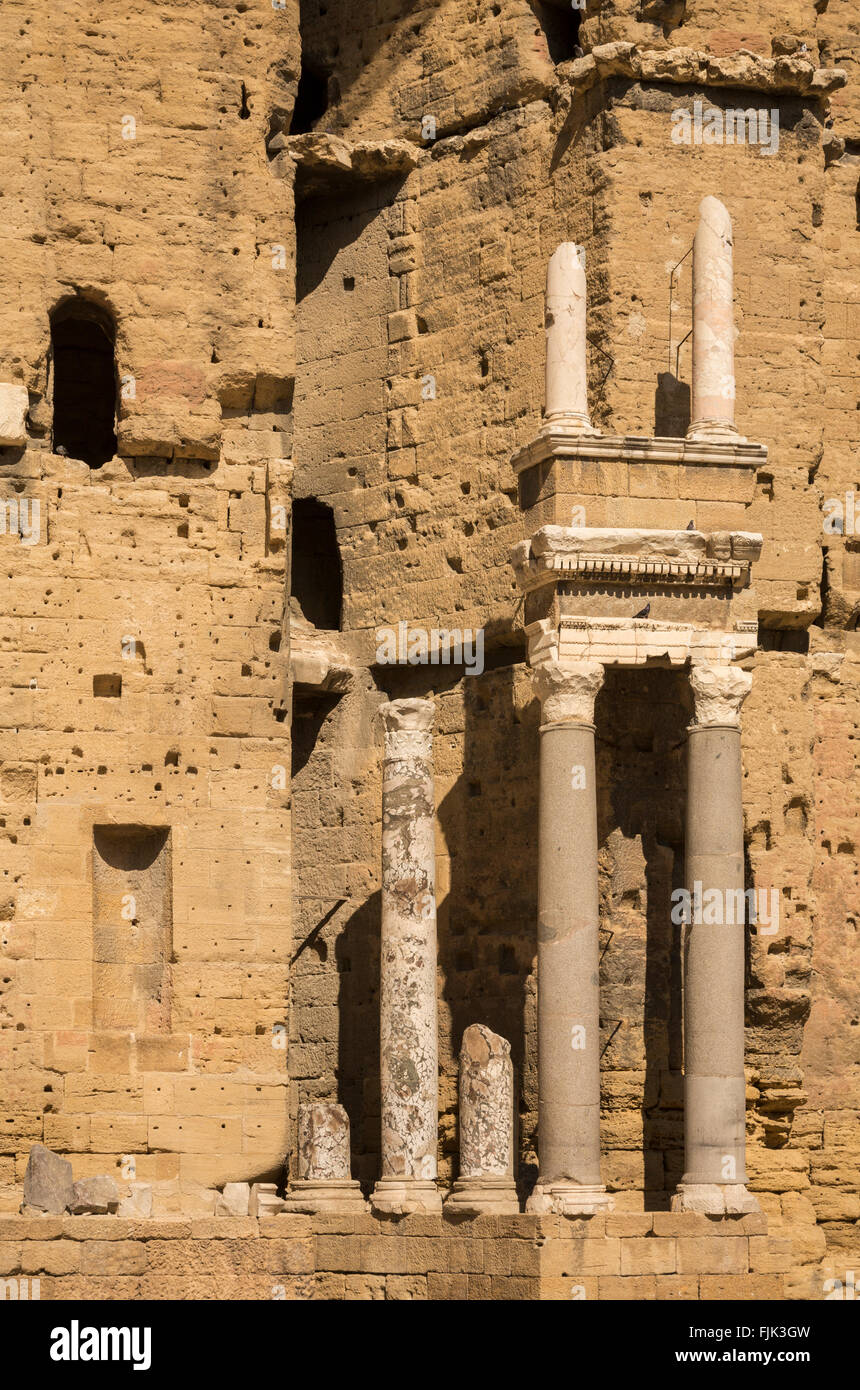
{"x": 566, "y": 364}
{"x": 714, "y": 1086}
{"x": 409, "y": 1070}
{"x": 486, "y": 1182}
{"x": 568, "y": 956}
{"x": 712, "y": 414}
{"x": 324, "y": 1182}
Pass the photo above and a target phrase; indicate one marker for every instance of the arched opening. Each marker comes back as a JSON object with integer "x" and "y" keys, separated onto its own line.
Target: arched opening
{"x": 316, "y": 574}
{"x": 82, "y": 350}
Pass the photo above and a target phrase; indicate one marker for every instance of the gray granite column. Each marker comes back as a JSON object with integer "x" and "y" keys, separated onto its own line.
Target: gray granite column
{"x": 568, "y": 989}
{"x": 714, "y": 1086}
{"x": 324, "y": 1182}
{"x": 486, "y": 1182}
{"x": 409, "y": 1069}
{"x": 712, "y": 414}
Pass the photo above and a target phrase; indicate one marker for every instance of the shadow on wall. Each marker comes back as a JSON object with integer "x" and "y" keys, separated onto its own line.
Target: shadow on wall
{"x": 325, "y": 75}
{"x": 641, "y": 717}
{"x": 487, "y": 933}
{"x": 358, "y": 1085}
{"x": 671, "y": 407}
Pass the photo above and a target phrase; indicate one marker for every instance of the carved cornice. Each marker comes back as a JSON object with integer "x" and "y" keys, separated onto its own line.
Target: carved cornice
{"x": 675, "y": 559}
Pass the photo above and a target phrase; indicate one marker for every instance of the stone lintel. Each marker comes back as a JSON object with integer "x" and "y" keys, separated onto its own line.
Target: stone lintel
{"x": 636, "y": 641}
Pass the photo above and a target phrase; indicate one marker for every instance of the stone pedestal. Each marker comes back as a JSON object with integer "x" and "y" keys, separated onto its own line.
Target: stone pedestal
{"x": 712, "y": 413}
{"x": 486, "y": 1182}
{"x": 566, "y": 364}
{"x": 714, "y": 1086}
{"x": 568, "y": 990}
{"x": 324, "y": 1182}
{"x": 409, "y": 1070}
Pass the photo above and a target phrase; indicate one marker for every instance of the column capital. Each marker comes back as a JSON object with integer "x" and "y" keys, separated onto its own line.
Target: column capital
{"x": 567, "y": 693}
{"x": 408, "y": 726}
{"x": 411, "y": 716}
{"x": 719, "y": 692}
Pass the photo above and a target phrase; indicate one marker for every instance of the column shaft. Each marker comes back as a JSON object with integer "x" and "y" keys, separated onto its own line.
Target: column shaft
{"x": 713, "y": 390}
{"x": 715, "y": 1106}
{"x": 568, "y": 956}
{"x": 409, "y": 1070}
{"x": 714, "y": 1084}
{"x": 568, "y": 994}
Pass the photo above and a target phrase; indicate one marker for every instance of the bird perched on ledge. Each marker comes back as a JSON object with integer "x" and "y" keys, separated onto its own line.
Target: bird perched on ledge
{"x": 644, "y": 612}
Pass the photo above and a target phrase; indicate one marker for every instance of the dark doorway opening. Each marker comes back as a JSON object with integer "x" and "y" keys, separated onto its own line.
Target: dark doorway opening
{"x": 560, "y": 24}
{"x": 311, "y": 99}
{"x": 82, "y": 348}
{"x": 316, "y": 575}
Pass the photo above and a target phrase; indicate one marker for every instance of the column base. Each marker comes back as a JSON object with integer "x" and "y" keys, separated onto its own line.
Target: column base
{"x": 402, "y": 1196}
{"x": 715, "y": 432}
{"x": 569, "y": 1199}
{"x": 715, "y": 1199}
{"x": 333, "y": 1195}
{"x": 568, "y": 421}
{"x": 485, "y": 1195}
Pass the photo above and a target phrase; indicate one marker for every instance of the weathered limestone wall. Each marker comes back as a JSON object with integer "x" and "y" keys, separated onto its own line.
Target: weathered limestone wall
{"x": 140, "y": 631}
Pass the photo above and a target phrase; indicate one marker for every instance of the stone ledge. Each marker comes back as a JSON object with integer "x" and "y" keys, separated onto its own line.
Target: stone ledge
{"x": 690, "y": 67}
{"x": 555, "y": 441}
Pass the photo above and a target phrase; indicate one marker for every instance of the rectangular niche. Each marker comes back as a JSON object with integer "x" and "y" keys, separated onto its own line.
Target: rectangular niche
{"x": 132, "y": 929}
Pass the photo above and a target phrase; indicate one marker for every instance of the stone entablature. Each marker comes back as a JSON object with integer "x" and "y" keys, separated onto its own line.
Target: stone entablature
{"x": 628, "y": 555}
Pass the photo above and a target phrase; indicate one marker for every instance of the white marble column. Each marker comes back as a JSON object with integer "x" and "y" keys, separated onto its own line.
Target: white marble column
{"x": 568, "y": 956}
{"x": 712, "y": 414}
{"x": 324, "y": 1181}
{"x": 486, "y": 1183}
{"x": 566, "y": 363}
{"x": 714, "y": 1086}
{"x": 409, "y": 1070}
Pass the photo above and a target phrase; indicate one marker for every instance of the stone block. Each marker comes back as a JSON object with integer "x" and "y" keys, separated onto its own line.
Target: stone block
{"x": 648, "y": 1255}
{"x": 14, "y": 404}
{"x": 713, "y": 1255}
{"x": 48, "y": 1181}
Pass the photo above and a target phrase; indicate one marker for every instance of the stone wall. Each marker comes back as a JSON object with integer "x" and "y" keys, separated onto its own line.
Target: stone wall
{"x": 376, "y": 342}
{"x": 357, "y": 1258}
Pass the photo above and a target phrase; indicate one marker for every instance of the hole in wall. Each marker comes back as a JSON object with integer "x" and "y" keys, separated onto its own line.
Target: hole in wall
{"x": 559, "y": 22}
{"x": 83, "y": 338}
{"x": 317, "y": 576}
{"x": 311, "y": 99}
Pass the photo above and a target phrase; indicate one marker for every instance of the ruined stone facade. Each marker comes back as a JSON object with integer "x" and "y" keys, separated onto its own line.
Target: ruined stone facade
{"x": 273, "y": 345}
